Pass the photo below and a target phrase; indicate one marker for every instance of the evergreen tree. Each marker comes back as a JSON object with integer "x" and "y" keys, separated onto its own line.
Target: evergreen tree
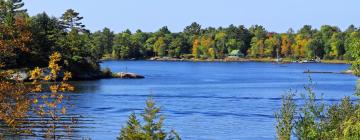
{"x": 133, "y": 130}
{"x": 151, "y": 130}
{"x": 71, "y": 20}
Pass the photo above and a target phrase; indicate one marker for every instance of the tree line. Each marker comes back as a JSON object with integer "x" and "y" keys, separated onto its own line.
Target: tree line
{"x": 32, "y": 39}
{"x": 44, "y": 35}
{"x": 217, "y": 43}
{"x": 27, "y": 42}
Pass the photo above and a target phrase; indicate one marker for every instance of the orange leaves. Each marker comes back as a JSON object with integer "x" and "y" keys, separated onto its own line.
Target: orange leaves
{"x": 18, "y": 99}
{"x": 286, "y": 43}
{"x": 14, "y": 102}
{"x": 67, "y": 76}
{"x": 195, "y": 49}
{"x": 14, "y": 37}
{"x": 201, "y": 47}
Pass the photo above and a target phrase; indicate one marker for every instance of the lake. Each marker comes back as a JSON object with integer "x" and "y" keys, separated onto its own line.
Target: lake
{"x": 202, "y": 100}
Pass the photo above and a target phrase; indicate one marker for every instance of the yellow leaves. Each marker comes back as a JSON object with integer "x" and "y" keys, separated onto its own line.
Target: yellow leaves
{"x": 54, "y": 88}
{"x": 63, "y": 110}
{"x": 16, "y": 102}
{"x": 300, "y": 47}
{"x": 47, "y": 78}
{"x": 37, "y": 88}
{"x": 67, "y": 76}
{"x": 195, "y": 49}
{"x": 35, "y": 74}
{"x": 212, "y": 53}
{"x": 66, "y": 87}
{"x": 35, "y": 101}
{"x": 54, "y": 66}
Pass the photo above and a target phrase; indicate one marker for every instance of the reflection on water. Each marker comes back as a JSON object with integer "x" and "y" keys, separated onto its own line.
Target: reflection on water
{"x": 202, "y": 100}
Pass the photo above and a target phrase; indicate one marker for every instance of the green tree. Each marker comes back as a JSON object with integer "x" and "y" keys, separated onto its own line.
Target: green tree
{"x": 257, "y": 42}
{"x": 133, "y": 130}
{"x": 160, "y": 47}
{"x": 152, "y": 128}
{"x": 327, "y": 33}
{"x": 46, "y": 32}
{"x": 315, "y": 47}
{"x": 354, "y": 48}
{"x": 272, "y": 46}
{"x": 337, "y": 46}
{"x": 176, "y": 47}
{"x": 71, "y": 19}
{"x": 220, "y": 40}
{"x": 193, "y": 29}
{"x": 138, "y": 41}
{"x": 103, "y": 42}
{"x": 121, "y": 46}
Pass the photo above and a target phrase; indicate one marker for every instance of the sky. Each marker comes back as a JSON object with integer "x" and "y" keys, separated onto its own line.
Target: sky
{"x": 150, "y": 15}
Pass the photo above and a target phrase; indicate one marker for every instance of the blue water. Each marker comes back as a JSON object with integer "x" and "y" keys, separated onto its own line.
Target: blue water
{"x": 202, "y": 100}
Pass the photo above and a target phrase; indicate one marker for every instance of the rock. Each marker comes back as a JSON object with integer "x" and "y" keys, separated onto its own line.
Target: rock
{"x": 21, "y": 75}
{"x": 126, "y": 75}
{"x": 347, "y": 72}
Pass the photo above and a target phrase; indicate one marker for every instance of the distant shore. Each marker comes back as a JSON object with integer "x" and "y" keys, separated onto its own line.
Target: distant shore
{"x": 269, "y": 60}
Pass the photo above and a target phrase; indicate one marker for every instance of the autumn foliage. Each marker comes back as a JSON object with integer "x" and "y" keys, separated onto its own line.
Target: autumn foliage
{"x": 21, "y": 103}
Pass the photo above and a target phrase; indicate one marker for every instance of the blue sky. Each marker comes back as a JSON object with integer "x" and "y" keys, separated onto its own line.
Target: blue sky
{"x": 150, "y": 15}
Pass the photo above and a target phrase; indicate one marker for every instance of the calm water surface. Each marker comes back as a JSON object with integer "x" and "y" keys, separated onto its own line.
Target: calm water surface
{"x": 202, "y": 100}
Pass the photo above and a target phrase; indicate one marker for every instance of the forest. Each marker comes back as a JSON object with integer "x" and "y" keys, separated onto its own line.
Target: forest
{"x": 43, "y": 34}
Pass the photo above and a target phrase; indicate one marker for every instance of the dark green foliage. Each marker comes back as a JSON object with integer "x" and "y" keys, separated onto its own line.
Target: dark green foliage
{"x": 102, "y": 43}
{"x": 152, "y": 128}
{"x": 45, "y": 33}
{"x": 193, "y": 29}
{"x": 71, "y": 19}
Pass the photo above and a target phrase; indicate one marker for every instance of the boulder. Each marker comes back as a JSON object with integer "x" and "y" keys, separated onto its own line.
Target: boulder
{"x": 21, "y": 75}
{"x": 127, "y": 75}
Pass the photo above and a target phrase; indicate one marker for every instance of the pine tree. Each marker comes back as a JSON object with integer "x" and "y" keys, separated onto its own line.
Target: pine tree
{"x": 132, "y": 131}
{"x": 9, "y": 9}
{"x": 71, "y": 20}
{"x": 151, "y": 130}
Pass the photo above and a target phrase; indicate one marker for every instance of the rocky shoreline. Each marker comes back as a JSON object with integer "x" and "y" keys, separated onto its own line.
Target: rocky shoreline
{"x": 268, "y": 60}
{"x": 24, "y": 75}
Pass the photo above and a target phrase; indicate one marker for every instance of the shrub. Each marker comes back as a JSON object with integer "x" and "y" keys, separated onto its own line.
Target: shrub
{"x": 285, "y": 117}
{"x": 318, "y": 121}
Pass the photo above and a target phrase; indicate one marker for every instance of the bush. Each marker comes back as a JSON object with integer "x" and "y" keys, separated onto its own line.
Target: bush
{"x": 317, "y": 120}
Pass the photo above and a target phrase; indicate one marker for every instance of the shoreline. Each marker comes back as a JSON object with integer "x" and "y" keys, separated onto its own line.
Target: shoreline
{"x": 266, "y": 60}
